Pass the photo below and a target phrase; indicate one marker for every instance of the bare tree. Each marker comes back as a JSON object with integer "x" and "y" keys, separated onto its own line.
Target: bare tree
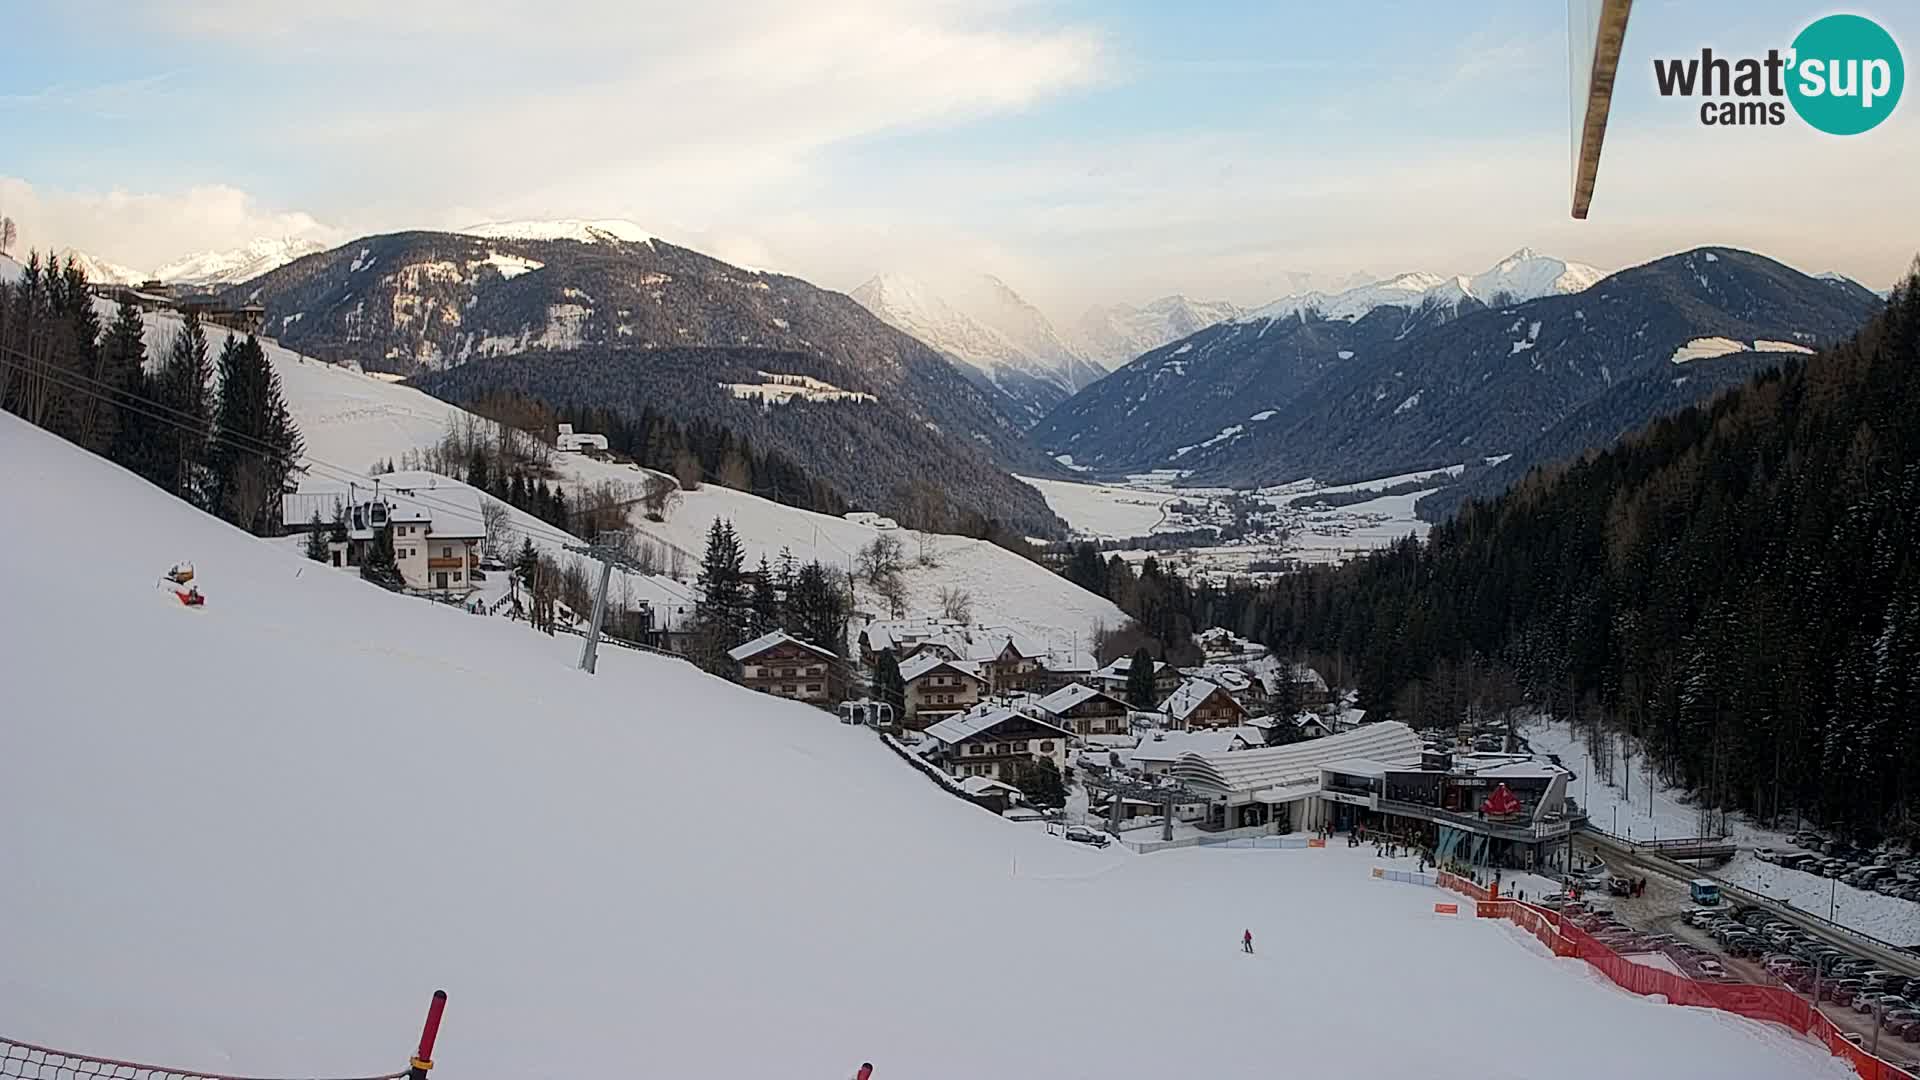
{"x": 881, "y": 559}
{"x": 677, "y": 563}
{"x": 502, "y": 540}
{"x": 929, "y": 549}
{"x": 894, "y": 591}
{"x": 956, "y": 604}
{"x": 8, "y": 234}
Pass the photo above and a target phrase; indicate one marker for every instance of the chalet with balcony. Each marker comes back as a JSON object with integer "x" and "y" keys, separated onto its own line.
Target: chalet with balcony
{"x": 938, "y": 688}
{"x": 996, "y": 742}
{"x": 1202, "y": 703}
{"x": 1085, "y": 711}
{"x": 784, "y": 666}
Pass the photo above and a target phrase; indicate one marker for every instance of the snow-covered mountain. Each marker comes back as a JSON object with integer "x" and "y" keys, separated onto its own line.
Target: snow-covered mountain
{"x": 235, "y": 265}
{"x": 1113, "y": 335}
{"x": 1417, "y": 372}
{"x": 1524, "y": 275}
{"x": 101, "y": 271}
{"x": 989, "y": 330}
{"x": 595, "y": 231}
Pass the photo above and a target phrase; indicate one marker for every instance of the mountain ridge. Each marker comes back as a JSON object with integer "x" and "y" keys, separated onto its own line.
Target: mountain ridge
{"x": 1402, "y": 388}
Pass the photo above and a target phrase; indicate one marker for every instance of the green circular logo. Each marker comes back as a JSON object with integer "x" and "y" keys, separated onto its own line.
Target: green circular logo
{"x": 1846, "y": 74}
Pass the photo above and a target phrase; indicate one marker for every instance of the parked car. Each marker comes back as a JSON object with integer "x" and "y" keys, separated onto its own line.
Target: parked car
{"x": 1081, "y": 834}
{"x": 1766, "y": 854}
{"x": 1899, "y": 1020}
{"x": 1882, "y": 1003}
{"x": 1713, "y": 969}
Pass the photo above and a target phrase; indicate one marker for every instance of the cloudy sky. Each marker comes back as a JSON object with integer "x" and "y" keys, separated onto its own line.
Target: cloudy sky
{"x": 1084, "y": 151}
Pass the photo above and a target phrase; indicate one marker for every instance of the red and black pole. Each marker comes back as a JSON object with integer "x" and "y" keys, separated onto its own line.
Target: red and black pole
{"x": 423, "y": 1059}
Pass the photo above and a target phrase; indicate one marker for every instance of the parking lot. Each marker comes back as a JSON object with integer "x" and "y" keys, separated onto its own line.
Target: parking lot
{"x": 1728, "y": 943}
{"x": 1824, "y": 857}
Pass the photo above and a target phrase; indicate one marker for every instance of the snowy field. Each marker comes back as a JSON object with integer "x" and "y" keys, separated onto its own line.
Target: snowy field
{"x": 1104, "y": 510}
{"x": 290, "y": 815}
{"x": 352, "y": 420}
{"x": 1151, "y": 502}
{"x": 1672, "y": 814}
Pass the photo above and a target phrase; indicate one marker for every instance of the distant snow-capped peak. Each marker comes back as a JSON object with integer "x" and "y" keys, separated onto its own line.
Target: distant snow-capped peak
{"x": 909, "y": 305}
{"x": 1524, "y": 275}
{"x": 233, "y": 266}
{"x": 594, "y": 231}
{"x": 100, "y": 271}
{"x": 1116, "y": 333}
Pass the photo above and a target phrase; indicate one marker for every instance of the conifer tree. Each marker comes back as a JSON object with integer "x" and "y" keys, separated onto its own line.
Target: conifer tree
{"x": 721, "y": 611}
{"x": 255, "y": 444}
{"x": 123, "y": 353}
{"x": 1140, "y": 693}
{"x": 317, "y": 539}
{"x": 182, "y": 441}
{"x": 888, "y": 686}
{"x": 765, "y": 605}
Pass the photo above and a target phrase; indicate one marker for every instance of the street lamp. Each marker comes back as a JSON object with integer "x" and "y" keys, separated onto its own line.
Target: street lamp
{"x": 1833, "y": 898}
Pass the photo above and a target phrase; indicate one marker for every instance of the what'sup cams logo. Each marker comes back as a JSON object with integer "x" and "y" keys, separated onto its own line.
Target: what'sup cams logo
{"x": 1842, "y": 75}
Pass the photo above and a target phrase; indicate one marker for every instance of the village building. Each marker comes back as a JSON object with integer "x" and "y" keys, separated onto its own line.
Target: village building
{"x": 996, "y": 742}
{"x": 1200, "y": 703}
{"x": 1488, "y": 811}
{"x": 435, "y": 526}
{"x": 1113, "y": 678}
{"x": 780, "y": 664}
{"x": 1085, "y": 711}
{"x": 938, "y": 687}
{"x": 1156, "y": 754}
{"x": 569, "y": 441}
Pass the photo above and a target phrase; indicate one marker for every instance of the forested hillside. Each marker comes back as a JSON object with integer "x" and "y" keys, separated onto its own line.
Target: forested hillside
{"x": 1737, "y": 584}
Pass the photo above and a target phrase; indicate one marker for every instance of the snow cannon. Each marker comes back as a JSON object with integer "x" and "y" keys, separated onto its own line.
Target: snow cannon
{"x": 190, "y": 596}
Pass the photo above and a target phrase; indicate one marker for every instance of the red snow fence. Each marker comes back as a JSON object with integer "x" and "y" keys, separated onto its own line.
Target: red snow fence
{"x": 1772, "y": 1004}
{"x": 26, "y": 1061}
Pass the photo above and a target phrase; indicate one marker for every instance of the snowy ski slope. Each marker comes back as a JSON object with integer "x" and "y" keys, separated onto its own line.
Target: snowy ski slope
{"x": 252, "y": 837}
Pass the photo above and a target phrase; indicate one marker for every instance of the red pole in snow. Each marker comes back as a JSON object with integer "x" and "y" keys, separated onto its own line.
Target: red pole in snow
{"x": 423, "y": 1060}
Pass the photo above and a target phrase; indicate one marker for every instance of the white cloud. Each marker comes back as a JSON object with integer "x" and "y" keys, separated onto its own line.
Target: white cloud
{"x": 145, "y": 229}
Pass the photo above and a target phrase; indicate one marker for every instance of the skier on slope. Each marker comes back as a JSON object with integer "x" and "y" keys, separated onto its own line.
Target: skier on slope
{"x": 1246, "y": 941}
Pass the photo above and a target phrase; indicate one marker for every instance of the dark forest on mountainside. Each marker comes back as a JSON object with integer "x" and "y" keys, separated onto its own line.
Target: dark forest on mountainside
{"x": 1738, "y": 585}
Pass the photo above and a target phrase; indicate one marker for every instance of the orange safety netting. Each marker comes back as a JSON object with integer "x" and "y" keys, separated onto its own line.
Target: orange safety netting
{"x": 1774, "y": 1004}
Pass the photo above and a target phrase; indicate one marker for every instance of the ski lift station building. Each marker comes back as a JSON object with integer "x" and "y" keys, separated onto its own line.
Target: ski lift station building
{"x": 1478, "y": 808}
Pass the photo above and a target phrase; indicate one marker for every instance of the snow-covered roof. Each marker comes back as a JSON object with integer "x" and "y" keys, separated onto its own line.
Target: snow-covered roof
{"x": 1071, "y": 695}
{"x": 1173, "y": 745}
{"x": 1391, "y": 743}
{"x": 1226, "y": 676}
{"x": 1190, "y": 696}
{"x": 976, "y": 721}
{"x": 742, "y": 653}
{"x": 1122, "y": 666}
{"x": 986, "y": 785}
{"x": 1522, "y": 770}
{"x": 447, "y": 507}
{"x": 1359, "y": 766}
{"x": 924, "y": 663}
